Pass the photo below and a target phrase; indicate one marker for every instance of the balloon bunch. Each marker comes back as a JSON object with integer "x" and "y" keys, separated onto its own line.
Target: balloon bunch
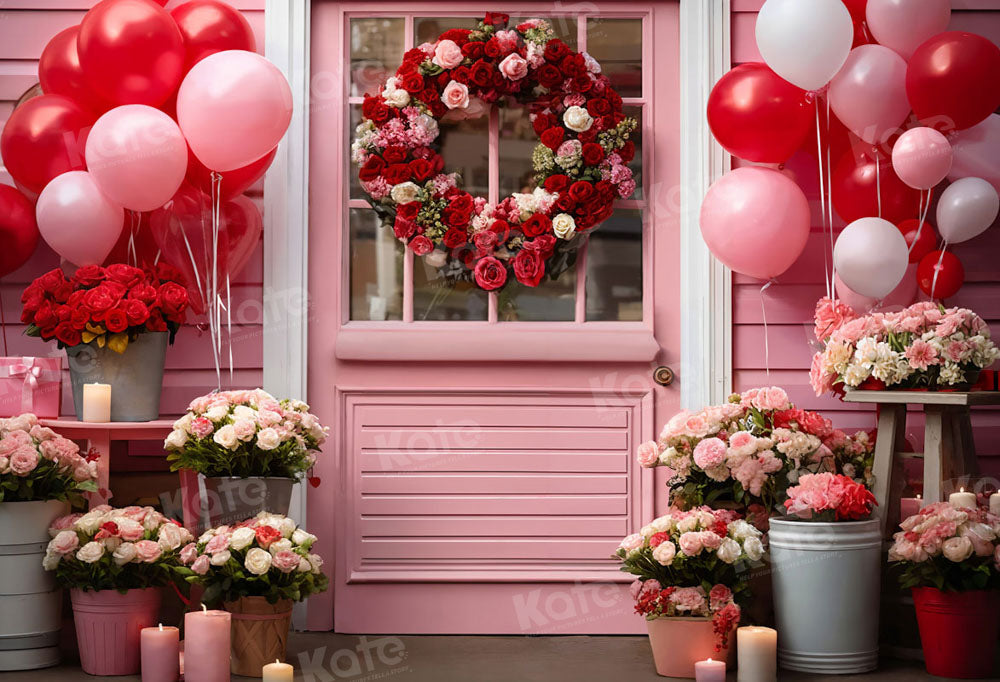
{"x": 136, "y": 101}
{"x": 893, "y": 104}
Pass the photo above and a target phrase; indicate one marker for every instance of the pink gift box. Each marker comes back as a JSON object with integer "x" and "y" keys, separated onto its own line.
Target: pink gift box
{"x": 30, "y": 385}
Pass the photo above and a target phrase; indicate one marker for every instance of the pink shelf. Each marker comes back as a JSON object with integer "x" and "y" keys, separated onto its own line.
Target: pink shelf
{"x": 122, "y": 429}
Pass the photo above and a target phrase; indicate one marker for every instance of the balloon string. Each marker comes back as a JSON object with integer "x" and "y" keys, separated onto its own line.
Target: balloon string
{"x": 878, "y": 185}
{"x": 133, "y": 257}
{"x": 216, "y": 301}
{"x": 763, "y": 314}
{"x": 827, "y": 256}
{"x": 229, "y": 326}
{"x": 937, "y": 269}
{"x": 829, "y": 204}
{"x": 923, "y": 208}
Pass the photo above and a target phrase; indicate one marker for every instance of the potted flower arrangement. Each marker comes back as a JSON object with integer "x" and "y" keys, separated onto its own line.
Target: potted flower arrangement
{"x": 114, "y": 561}
{"x": 691, "y": 569}
{"x": 825, "y": 560}
{"x": 256, "y": 569}
{"x": 925, "y": 346}
{"x": 249, "y": 446}
{"x": 41, "y": 473}
{"x": 950, "y": 559}
{"x": 115, "y": 323}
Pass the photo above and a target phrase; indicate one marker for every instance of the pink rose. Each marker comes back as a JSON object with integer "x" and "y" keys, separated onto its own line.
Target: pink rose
{"x": 455, "y": 95}
{"x": 688, "y": 599}
{"x": 147, "y": 551}
{"x": 514, "y": 67}
{"x": 447, "y": 54}
{"x": 8, "y": 444}
{"x": 188, "y": 553}
{"x": 24, "y": 460}
{"x": 710, "y": 540}
{"x": 719, "y": 596}
{"x": 201, "y": 564}
{"x": 64, "y": 522}
{"x": 202, "y": 427}
{"x": 65, "y": 542}
{"x": 630, "y": 542}
{"x": 130, "y": 529}
{"x": 218, "y": 543}
{"x": 710, "y": 453}
{"x": 691, "y": 543}
{"x": 649, "y": 454}
{"x": 286, "y": 561}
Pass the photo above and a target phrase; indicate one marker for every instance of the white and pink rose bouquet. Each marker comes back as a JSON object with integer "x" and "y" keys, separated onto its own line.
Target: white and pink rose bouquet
{"x": 750, "y": 449}
{"x": 923, "y": 346}
{"x": 948, "y": 548}
{"x": 115, "y": 549}
{"x": 692, "y": 563}
{"x": 245, "y": 433}
{"x": 266, "y": 556}
{"x": 36, "y": 463}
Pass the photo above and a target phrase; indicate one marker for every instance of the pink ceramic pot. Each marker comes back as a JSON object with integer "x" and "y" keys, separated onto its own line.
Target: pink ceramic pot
{"x": 108, "y": 624}
{"x": 679, "y": 643}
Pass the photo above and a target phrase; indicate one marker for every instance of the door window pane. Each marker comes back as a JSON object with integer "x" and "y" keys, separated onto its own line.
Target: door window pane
{"x": 376, "y": 50}
{"x": 517, "y": 141}
{"x": 614, "y": 268}
{"x": 427, "y": 29}
{"x": 549, "y": 301}
{"x": 435, "y": 298}
{"x": 356, "y": 191}
{"x": 465, "y": 149}
{"x": 617, "y": 45}
{"x": 636, "y": 164}
{"x": 376, "y": 269}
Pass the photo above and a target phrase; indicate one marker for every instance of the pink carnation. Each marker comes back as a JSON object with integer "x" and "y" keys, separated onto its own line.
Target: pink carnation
{"x": 710, "y": 453}
{"x": 688, "y": 599}
{"x": 921, "y": 355}
{"x": 285, "y": 561}
{"x": 202, "y": 427}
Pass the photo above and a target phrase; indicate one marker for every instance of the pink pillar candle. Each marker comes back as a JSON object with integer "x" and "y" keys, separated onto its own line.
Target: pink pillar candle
{"x": 160, "y": 649}
{"x": 710, "y": 671}
{"x": 206, "y": 646}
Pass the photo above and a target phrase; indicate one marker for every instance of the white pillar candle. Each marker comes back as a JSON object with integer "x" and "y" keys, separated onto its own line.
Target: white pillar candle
{"x": 710, "y": 671}
{"x": 757, "y": 651}
{"x": 96, "y": 402}
{"x": 282, "y": 672}
{"x": 963, "y": 499}
{"x": 995, "y": 503}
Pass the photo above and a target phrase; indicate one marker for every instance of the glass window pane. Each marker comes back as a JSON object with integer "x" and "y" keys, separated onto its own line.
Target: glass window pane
{"x": 563, "y": 26}
{"x": 376, "y": 50}
{"x": 356, "y": 192}
{"x": 465, "y": 149}
{"x": 636, "y": 164}
{"x": 614, "y": 268}
{"x": 427, "y": 29}
{"x": 517, "y": 141}
{"x": 376, "y": 269}
{"x": 617, "y": 45}
{"x": 435, "y": 298}
{"x": 549, "y": 301}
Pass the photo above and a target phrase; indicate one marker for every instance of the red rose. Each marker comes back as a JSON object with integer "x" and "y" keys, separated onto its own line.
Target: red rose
{"x": 397, "y": 173}
{"x": 490, "y": 273}
{"x": 565, "y": 202}
{"x": 266, "y": 535}
{"x": 462, "y": 202}
{"x": 101, "y": 298}
{"x": 32, "y": 297}
{"x": 459, "y": 35}
{"x": 553, "y": 137}
{"x": 167, "y": 272}
{"x": 529, "y": 267}
{"x": 496, "y": 19}
{"x": 403, "y": 228}
{"x": 481, "y": 73}
{"x": 173, "y": 298}
{"x": 537, "y": 224}
{"x": 582, "y": 82}
{"x": 51, "y": 280}
{"x": 372, "y": 169}
{"x": 573, "y": 65}
{"x": 395, "y": 154}
{"x": 492, "y": 48}
{"x": 581, "y": 190}
{"x": 67, "y": 335}
{"x": 64, "y": 313}
{"x": 63, "y": 291}
{"x": 413, "y": 82}
{"x": 544, "y": 244}
{"x": 556, "y": 183}
{"x": 136, "y": 311}
{"x": 501, "y": 228}
{"x": 116, "y": 320}
{"x": 615, "y": 99}
{"x": 627, "y": 152}
{"x": 598, "y": 107}
{"x": 80, "y": 318}
{"x": 89, "y": 276}
{"x": 421, "y": 245}
{"x": 428, "y": 95}
{"x": 473, "y": 50}
{"x": 455, "y": 217}
{"x": 414, "y": 56}
{"x": 485, "y": 241}
{"x": 548, "y": 75}
{"x": 454, "y": 237}
{"x": 409, "y": 210}
{"x": 156, "y": 323}
{"x": 592, "y": 153}
{"x": 542, "y": 123}
{"x": 375, "y": 109}
{"x": 555, "y": 50}
{"x": 144, "y": 293}
{"x": 125, "y": 274}
{"x": 587, "y": 136}
{"x": 46, "y": 316}
{"x": 422, "y": 169}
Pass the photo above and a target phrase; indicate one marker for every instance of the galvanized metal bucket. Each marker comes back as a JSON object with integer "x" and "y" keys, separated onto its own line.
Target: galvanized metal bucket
{"x": 826, "y": 594}
{"x": 135, "y": 376}
{"x": 230, "y": 499}
{"x": 30, "y": 602}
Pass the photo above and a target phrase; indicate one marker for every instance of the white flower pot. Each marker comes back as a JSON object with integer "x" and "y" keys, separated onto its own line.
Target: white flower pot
{"x": 826, "y": 594}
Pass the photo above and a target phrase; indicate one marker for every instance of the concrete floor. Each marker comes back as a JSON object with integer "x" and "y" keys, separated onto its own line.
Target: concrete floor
{"x": 372, "y": 658}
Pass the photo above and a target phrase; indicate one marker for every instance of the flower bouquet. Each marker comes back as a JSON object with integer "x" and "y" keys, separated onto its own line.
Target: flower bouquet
{"x": 250, "y": 446}
{"x": 925, "y": 346}
{"x": 100, "y": 313}
{"x": 256, "y": 569}
{"x": 749, "y": 450}
{"x": 37, "y": 464}
{"x": 827, "y": 539}
{"x": 692, "y": 572}
{"x": 950, "y": 559}
{"x": 114, "y": 561}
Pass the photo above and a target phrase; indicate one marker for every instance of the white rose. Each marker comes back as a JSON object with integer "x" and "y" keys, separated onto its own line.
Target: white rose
{"x": 92, "y": 551}
{"x": 741, "y": 530}
{"x": 258, "y": 561}
{"x": 404, "y": 192}
{"x": 176, "y": 439}
{"x": 286, "y": 526}
{"x": 124, "y": 554}
{"x": 220, "y": 558}
{"x": 170, "y": 537}
{"x": 153, "y": 520}
{"x": 226, "y": 437}
{"x": 51, "y": 561}
{"x": 664, "y": 553}
{"x": 279, "y": 546}
{"x": 394, "y": 95}
{"x": 304, "y": 565}
{"x": 244, "y": 412}
{"x": 957, "y": 549}
{"x": 317, "y": 562}
{"x": 206, "y": 536}
{"x": 91, "y": 521}
{"x": 577, "y": 119}
{"x": 241, "y": 538}
{"x": 267, "y": 439}
{"x": 564, "y": 226}
{"x": 729, "y": 551}
{"x": 687, "y": 524}
{"x": 217, "y": 413}
{"x": 754, "y": 548}
{"x": 301, "y": 537}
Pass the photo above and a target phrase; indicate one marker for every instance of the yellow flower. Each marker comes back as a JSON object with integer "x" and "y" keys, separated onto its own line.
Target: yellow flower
{"x": 118, "y": 342}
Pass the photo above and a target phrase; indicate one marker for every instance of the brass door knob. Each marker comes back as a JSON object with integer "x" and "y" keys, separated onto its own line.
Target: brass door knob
{"x": 663, "y": 375}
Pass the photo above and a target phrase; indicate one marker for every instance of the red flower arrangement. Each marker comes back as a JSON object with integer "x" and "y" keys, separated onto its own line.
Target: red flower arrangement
{"x": 818, "y": 497}
{"x": 108, "y": 305}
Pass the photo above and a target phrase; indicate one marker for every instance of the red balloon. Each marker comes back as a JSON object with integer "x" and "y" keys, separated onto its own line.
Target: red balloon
{"x": 60, "y": 74}
{"x": 131, "y": 52}
{"x": 839, "y": 138}
{"x": 209, "y": 26}
{"x": 953, "y": 80}
{"x": 18, "y": 230}
{"x": 142, "y": 241}
{"x": 234, "y": 182}
{"x": 950, "y": 274}
{"x": 854, "y": 190}
{"x": 45, "y": 137}
{"x": 758, "y": 116}
{"x": 857, "y": 9}
{"x": 926, "y": 241}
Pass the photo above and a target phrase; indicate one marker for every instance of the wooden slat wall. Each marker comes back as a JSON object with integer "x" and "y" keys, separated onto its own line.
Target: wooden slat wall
{"x": 25, "y": 28}
{"x": 789, "y": 303}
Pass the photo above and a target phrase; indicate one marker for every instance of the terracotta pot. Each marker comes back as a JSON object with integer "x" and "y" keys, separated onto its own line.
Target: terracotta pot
{"x": 958, "y": 631}
{"x": 108, "y": 624}
{"x": 260, "y": 633}
{"x": 679, "y": 643}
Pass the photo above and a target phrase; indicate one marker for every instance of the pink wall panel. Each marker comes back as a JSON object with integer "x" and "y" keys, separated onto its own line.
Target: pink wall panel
{"x": 789, "y": 303}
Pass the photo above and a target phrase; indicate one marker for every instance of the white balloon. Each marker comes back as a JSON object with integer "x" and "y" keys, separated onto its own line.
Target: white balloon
{"x": 966, "y": 209}
{"x": 871, "y": 257}
{"x": 805, "y": 41}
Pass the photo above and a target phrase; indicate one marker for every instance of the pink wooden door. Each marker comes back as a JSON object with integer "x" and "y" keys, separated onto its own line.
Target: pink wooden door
{"x": 483, "y": 469}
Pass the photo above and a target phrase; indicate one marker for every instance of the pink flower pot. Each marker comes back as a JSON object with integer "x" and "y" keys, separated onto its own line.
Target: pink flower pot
{"x": 679, "y": 643}
{"x": 108, "y": 625}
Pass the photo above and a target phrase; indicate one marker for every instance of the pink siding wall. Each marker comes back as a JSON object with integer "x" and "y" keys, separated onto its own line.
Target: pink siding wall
{"x": 26, "y": 26}
{"x": 790, "y": 302}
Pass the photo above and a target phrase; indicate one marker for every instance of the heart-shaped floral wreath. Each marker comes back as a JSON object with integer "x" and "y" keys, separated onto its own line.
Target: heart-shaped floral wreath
{"x": 580, "y": 165}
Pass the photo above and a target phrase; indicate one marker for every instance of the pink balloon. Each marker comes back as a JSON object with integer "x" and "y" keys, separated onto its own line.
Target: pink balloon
{"x": 977, "y": 152}
{"x": 868, "y": 94}
{"x": 77, "y": 220}
{"x": 921, "y": 157}
{"x": 233, "y": 107}
{"x": 756, "y": 221}
{"x": 902, "y": 25}
{"x": 137, "y": 155}
{"x": 903, "y": 295}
